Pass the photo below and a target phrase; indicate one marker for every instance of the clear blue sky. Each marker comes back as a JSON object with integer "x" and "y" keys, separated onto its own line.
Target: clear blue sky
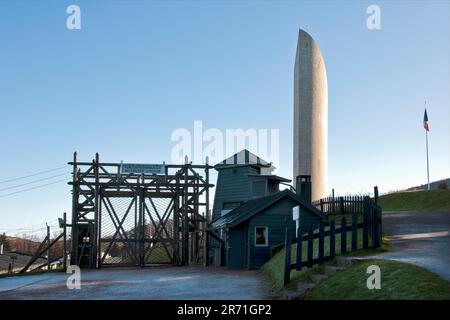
{"x": 137, "y": 71}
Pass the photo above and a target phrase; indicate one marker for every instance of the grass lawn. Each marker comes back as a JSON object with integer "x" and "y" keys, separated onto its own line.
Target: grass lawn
{"x": 399, "y": 281}
{"x": 433, "y": 200}
{"x": 273, "y": 270}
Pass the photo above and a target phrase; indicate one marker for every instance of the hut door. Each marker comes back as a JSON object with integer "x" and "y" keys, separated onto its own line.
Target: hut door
{"x": 237, "y": 248}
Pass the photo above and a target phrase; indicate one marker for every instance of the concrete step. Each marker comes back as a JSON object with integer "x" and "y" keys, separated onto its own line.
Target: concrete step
{"x": 317, "y": 277}
{"x": 329, "y": 270}
{"x": 302, "y": 287}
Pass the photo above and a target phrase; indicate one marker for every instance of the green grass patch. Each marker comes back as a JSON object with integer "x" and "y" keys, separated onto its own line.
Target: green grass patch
{"x": 273, "y": 270}
{"x": 433, "y": 200}
{"x": 399, "y": 281}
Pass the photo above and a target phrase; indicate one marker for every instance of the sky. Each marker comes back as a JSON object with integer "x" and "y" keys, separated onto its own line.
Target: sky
{"x": 138, "y": 70}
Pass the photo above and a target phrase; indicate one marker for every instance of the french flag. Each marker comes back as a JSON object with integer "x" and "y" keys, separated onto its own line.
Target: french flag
{"x": 425, "y": 121}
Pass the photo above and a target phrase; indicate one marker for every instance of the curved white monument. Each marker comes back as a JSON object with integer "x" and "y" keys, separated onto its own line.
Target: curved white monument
{"x": 310, "y": 115}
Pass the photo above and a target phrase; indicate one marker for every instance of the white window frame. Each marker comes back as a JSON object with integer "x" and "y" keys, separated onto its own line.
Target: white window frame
{"x": 267, "y": 236}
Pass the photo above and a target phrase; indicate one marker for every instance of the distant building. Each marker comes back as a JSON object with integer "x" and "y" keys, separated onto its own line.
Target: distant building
{"x": 250, "y": 212}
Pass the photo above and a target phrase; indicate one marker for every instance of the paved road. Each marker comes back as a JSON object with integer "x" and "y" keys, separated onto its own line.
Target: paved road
{"x": 420, "y": 238}
{"x": 172, "y": 283}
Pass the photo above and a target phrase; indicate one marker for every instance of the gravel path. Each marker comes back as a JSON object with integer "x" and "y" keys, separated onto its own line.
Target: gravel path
{"x": 420, "y": 238}
{"x": 174, "y": 283}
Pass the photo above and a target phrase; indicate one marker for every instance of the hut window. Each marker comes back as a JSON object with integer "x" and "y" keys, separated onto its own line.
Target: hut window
{"x": 261, "y": 237}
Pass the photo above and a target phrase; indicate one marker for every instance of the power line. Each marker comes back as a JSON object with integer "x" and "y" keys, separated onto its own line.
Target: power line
{"x": 36, "y": 187}
{"x": 32, "y": 175}
{"x": 30, "y": 228}
{"x": 34, "y": 181}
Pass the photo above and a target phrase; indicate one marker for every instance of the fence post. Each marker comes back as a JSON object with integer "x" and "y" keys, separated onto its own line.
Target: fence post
{"x": 375, "y": 194}
{"x": 341, "y": 200}
{"x": 321, "y": 205}
{"x": 334, "y": 203}
{"x": 343, "y": 236}
{"x": 310, "y": 246}
{"x": 354, "y": 232}
{"x": 48, "y": 250}
{"x": 321, "y": 243}
{"x": 332, "y": 240}
{"x": 298, "y": 263}
{"x": 65, "y": 242}
{"x": 366, "y": 223}
{"x": 287, "y": 258}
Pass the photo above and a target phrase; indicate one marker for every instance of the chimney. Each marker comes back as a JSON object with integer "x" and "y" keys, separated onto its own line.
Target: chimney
{"x": 303, "y": 187}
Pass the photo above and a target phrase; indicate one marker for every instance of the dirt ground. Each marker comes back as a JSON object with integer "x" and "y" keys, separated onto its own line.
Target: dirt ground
{"x": 169, "y": 282}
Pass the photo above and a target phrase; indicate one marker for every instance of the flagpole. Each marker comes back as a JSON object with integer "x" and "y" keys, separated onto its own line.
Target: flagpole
{"x": 428, "y": 166}
{"x": 428, "y": 163}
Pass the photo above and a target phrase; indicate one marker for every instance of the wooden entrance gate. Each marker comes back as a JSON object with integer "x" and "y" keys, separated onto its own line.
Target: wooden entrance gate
{"x": 125, "y": 217}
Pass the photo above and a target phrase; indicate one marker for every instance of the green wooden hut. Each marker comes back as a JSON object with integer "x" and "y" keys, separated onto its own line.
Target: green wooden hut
{"x": 251, "y": 214}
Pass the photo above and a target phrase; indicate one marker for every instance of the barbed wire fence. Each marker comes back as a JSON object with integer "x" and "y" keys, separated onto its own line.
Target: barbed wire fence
{"x": 20, "y": 246}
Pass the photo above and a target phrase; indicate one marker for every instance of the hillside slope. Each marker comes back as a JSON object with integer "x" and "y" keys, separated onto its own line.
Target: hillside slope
{"x": 433, "y": 200}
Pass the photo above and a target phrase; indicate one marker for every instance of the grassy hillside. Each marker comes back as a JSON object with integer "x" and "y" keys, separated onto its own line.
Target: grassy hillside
{"x": 434, "y": 200}
{"x": 399, "y": 281}
{"x": 273, "y": 269}
{"x": 433, "y": 185}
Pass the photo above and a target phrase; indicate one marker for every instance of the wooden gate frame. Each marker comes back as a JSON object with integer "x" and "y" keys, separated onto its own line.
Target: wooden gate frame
{"x": 94, "y": 181}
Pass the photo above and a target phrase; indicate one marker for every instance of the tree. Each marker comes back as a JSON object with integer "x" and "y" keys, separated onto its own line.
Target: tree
{"x": 4, "y": 240}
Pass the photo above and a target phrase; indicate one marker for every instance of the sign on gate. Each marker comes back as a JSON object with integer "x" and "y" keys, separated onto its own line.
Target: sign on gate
{"x": 137, "y": 168}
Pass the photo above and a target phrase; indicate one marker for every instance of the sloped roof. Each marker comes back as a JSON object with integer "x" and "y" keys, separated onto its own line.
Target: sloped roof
{"x": 252, "y": 207}
{"x": 270, "y": 177}
{"x": 244, "y": 157}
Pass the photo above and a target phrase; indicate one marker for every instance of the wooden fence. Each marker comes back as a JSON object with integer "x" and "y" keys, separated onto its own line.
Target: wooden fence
{"x": 370, "y": 225}
{"x": 341, "y": 205}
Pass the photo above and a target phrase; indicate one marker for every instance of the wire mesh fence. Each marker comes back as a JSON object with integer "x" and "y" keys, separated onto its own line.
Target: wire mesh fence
{"x": 119, "y": 221}
{"x": 126, "y": 236}
{"x": 158, "y": 230}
